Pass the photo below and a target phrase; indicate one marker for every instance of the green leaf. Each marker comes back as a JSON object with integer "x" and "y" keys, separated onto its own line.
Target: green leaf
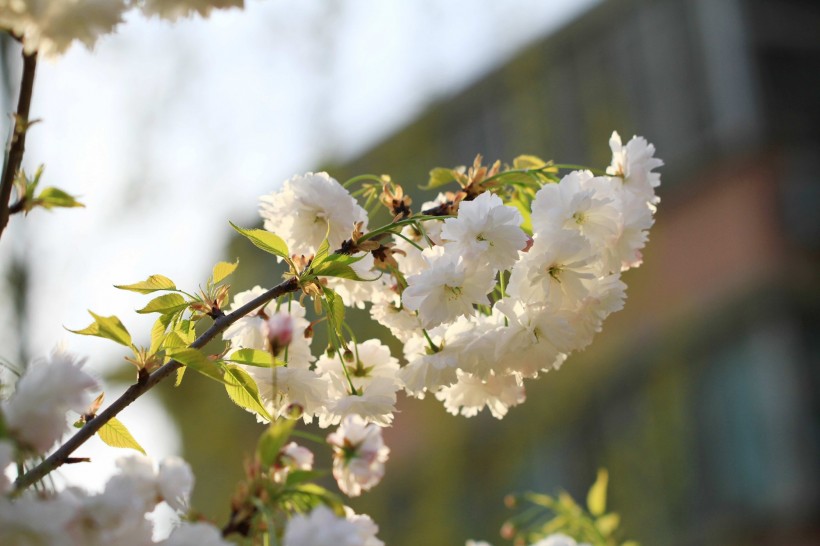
{"x": 198, "y": 361}
{"x": 115, "y": 434}
{"x": 608, "y": 523}
{"x": 322, "y": 495}
{"x": 174, "y": 341}
{"x": 106, "y": 327}
{"x": 322, "y": 252}
{"x": 340, "y": 270}
{"x": 243, "y": 391}
{"x": 157, "y": 335}
{"x": 295, "y": 477}
{"x": 273, "y": 440}
{"x": 165, "y": 304}
{"x": 265, "y": 240}
{"x": 524, "y": 208}
{"x": 439, "y": 177}
{"x": 151, "y": 284}
{"x": 335, "y": 310}
{"x": 180, "y": 375}
{"x": 54, "y": 197}
{"x": 596, "y": 498}
{"x": 528, "y": 162}
{"x": 253, "y": 357}
{"x": 222, "y": 270}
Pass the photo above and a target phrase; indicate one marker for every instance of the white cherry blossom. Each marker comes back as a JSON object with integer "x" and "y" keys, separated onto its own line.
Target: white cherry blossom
{"x": 359, "y": 455}
{"x": 36, "y": 412}
{"x": 307, "y": 208}
{"x": 447, "y": 289}
{"x": 486, "y": 231}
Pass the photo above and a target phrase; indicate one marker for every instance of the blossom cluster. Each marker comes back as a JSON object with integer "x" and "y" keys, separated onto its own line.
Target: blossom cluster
{"x": 482, "y": 294}
{"x": 117, "y": 515}
{"x": 33, "y": 419}
{"x": 50, "y": 27}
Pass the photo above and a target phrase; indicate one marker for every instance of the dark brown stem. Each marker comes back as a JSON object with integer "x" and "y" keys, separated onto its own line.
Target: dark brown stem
{"x": 59, "y": 457}
{"x": 18, "y": 137}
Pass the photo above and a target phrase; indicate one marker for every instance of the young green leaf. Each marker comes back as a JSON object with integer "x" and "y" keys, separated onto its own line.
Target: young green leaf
{"x": 115, "y": 434}
{"x": 335, "y": 310}
{"x": 528, "y": 162}
{"x": 106, "y": 327}
{"x": 596, "y": 498}
{"x": 165, "y": 304}
{"x": 439, "y": 177}
{"x": 608, "y": 524}
{"x": 222, "y": 270}
{"x": 322, "y": 252}
{"x": 253, "y": 357}
{"x": 151, "y": 284}
{"x": 243, "y": 391}
{"x": 322, "y": 495}
{"x": 340, "y": 270}
{"x": 198, "y": 361}
{"x": 174, "y": 341}
{"x": 273, "y": 440}
{"x": 295, "y": 477}
{"x": 50, "y": 198}
{"x": 524, "y": 208}
{"x": 158, "y": 334}
{"x": 265, "y": 240}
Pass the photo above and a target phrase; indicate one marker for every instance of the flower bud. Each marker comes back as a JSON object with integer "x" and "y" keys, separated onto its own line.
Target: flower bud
{"x": 348, "y": 356}
{"x": 279, "y": 331}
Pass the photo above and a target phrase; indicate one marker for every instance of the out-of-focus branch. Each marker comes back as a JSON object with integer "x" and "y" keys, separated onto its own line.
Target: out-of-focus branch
{"x": 60, "y": 457}
{"x": 18, "y": 137}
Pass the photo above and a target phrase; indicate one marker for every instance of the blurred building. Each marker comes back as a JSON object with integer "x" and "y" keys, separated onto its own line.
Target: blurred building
{"x": 702, "y": 397}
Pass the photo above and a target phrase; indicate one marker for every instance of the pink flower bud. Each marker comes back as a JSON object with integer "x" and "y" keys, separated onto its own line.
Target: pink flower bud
{"x": 279, "y": 331}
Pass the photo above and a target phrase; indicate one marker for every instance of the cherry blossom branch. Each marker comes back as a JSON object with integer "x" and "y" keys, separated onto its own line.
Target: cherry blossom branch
{"x": 18, "y": 137}
{"x": 143, "y": 385}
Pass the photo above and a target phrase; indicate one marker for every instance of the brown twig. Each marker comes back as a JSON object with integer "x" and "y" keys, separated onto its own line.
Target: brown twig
{"x": 18, "y": 137}
{"x": 59, "y": 457}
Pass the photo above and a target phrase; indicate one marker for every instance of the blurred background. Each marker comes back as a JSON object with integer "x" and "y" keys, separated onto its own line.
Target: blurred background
{"x": 701, "y": 398}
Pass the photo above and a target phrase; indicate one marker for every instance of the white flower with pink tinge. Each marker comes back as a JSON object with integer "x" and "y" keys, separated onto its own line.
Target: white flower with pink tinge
{"x": 448, "y": 288}
{"x": 359, "y": 455}
{"x": 324, "y": 528}
{"x": 487, "y": 231}
{"x": 308, "y": 208}
{"x": 36, "y": 412}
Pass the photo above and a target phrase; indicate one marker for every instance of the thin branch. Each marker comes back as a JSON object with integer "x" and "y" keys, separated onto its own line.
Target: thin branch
{"x": 59, "y": 457}
{"x": 18, "y": 137}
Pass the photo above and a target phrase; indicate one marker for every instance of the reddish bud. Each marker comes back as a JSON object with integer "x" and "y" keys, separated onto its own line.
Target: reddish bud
{"x": 279, "y": 331}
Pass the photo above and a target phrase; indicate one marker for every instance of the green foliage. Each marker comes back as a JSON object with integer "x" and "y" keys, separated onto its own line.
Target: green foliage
{"x": 561, "y": 514}
{"x": 48, "y": 198}
{"x": 222, "y": 270}
{"x": 243, "y": 391}
{"x": 273, "y": 440}
{"x": 165, "y": 304}
{"x": 335, "y": 311}
{"x": 198, "y": 361}
{"x": 338, "y": 265}
{"x": 254, "y": 357}
{"x": 525, "y": 162}
{"x": 440, "y": 177}
{"x": 106, "y": 327}
{"x": 115, "y": 434}
{"x": 596, "y": 498}
{"x": 151, "y": 284}
{"x": 265, "y": 240}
